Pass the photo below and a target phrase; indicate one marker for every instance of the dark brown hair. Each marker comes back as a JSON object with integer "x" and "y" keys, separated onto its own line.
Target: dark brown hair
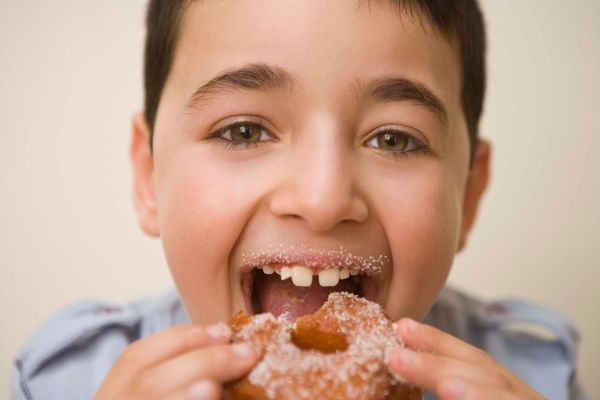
{"x": 459, "y": 21}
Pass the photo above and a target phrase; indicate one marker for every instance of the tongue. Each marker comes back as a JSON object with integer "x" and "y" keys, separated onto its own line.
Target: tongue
{"x": 273, "y": 295}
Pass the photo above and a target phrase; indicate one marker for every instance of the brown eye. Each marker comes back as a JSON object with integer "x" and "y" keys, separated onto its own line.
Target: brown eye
{"x": 392, "y": 141}
{"x": 396, "y": 142}
{"x": 244, "y": 134}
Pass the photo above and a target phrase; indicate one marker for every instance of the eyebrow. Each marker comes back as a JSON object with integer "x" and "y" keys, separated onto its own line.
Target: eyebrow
{"x": 264, "y": 77}
{"x": 261, "y": 77}
{"x": 402, "y": 89}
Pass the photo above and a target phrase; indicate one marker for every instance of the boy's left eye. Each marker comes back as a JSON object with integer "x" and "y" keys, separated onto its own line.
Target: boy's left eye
{"x": 396, "y": 142}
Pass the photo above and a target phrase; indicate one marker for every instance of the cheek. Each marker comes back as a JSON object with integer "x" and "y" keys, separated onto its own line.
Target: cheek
{"x": 202, "y": 209}
{"x": 421, "y": 219}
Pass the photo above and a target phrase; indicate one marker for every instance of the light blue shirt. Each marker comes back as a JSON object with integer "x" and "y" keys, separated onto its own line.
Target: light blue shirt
{"x": 70, "y": 355}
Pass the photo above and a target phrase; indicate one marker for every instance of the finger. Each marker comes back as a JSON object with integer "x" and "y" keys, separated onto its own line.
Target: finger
{"x": 427, "y": 370}
{"x": 426, "y": 338}
{"x": 201, "y": 390}
{"x": 220, "y": 364}
{"x": 171, "y": 342}
{"x": 157, "y": 348}
{"x": 458, "y": 389}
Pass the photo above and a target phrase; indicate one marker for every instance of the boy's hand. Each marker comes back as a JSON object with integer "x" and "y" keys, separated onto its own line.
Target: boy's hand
{"x": 183, "y": 362}
{"x": 452, "y": 368}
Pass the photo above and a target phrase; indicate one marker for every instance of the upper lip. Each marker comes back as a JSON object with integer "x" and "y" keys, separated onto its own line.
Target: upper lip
{"x": 314, "y": 259}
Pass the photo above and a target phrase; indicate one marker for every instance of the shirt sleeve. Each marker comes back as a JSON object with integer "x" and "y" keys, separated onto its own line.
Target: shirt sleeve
{"x": 577, "y": 391}
{"x": 69, "y": 356}
{"x": 535, "y": 342}
{"x": 18, "y": 389}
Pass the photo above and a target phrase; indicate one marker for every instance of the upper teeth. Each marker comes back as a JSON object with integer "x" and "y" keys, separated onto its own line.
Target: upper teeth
{"x": 268, "y": 270}
{"x": 303, "y": 276}
{"x": 285, "y": 273}
{"x": 329, "y": 277}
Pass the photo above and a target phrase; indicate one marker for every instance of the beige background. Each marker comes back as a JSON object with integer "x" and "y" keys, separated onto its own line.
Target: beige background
{"x": 70, "y": 75}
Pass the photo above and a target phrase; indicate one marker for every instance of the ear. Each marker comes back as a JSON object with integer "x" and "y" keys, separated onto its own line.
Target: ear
{"x": 477, "y": 182}
{"x": 144, "y": 195}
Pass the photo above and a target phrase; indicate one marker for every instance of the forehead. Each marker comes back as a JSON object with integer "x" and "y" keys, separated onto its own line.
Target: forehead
{"x": 329, "y": 46}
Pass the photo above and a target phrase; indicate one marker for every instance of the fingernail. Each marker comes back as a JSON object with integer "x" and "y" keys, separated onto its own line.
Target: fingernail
{"x": 410, "y": 325}
{"x": 202, "y": 391}
{"x": 405, "y": 356}
{"x": 243, "y": 350}
{"x": 455, "y": 388}
{"x": 398, "y": 377}
{"x": 391, "y": 367}
{"x": 396, "y": 328}
{"x": 218, "y": 331}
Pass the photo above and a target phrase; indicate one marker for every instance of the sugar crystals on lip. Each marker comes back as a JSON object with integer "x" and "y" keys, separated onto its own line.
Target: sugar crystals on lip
{"x": 315, "y": 258}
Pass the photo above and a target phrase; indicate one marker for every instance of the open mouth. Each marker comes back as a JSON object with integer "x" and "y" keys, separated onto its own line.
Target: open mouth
{"x": 294, "y": 290}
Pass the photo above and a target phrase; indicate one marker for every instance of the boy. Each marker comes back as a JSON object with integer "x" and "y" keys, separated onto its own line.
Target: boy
{"x": 305, "y": 134}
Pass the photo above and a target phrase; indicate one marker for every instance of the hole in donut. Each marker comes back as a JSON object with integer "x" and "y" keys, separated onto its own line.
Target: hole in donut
{"x": 308, "y": 334}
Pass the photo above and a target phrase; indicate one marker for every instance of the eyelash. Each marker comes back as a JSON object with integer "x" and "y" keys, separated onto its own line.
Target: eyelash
{"x": 229, "y": 144}
{"x": 418, "y": 147}
{"x": 217, "y": 136}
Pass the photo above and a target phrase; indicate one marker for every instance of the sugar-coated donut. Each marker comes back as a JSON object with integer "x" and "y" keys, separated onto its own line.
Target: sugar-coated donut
{"x": 338, "y": 352}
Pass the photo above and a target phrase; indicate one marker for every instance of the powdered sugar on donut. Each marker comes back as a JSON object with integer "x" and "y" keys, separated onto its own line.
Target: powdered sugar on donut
{"x": 359, "y": 372}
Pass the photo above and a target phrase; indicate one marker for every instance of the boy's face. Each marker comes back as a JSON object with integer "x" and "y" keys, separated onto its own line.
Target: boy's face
{"x": 363, "y": 145}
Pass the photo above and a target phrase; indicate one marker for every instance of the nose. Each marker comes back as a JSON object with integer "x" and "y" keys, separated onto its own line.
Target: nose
{"x": 318, "y": 183}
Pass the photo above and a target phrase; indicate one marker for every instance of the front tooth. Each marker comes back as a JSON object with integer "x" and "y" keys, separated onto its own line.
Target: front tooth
{"x": 301, "y": 276}
{"x": 329, "y": 277}
{"x": 268, "y": 270}
{"x": 285, "y": 273}
{"x": 344, "y": 273}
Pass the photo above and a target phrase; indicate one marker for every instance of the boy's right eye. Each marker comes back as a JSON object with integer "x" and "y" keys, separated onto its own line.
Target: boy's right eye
{"x": 242, "y": 135}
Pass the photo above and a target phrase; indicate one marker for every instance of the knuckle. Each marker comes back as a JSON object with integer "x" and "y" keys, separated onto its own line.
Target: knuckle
{"x": 221, "y": 356}
{"x": 190, "y": 337}
{"x": 204, "y": 364}
{"x": 483, "y": 356}
{"x": 132, "y": 353}
{"x": 218, "y": 361}
{"x": 183, "y": 340}
{"x": 507, "y": 382}
{"x": 187, "y": 336}
{"x": 501, "y": 380}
